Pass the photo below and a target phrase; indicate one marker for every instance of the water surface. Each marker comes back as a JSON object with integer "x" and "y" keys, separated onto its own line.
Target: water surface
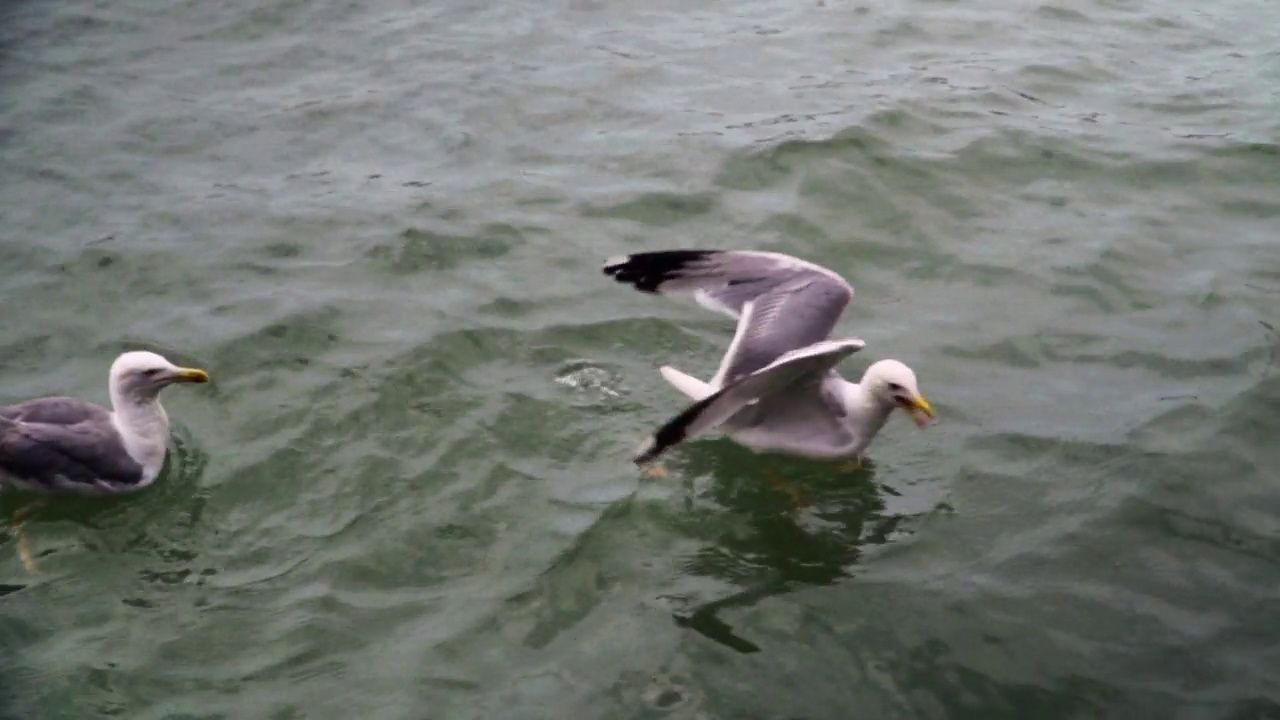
{"x": 407, "y": 492}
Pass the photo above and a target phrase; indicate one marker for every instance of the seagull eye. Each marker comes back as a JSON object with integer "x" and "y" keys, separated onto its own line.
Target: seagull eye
{"x": 152, "y": 372}
{"x": 895, "y": 387}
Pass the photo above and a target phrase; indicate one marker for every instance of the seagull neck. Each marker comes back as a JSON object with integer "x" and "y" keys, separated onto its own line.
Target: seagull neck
{"x": 857, "y": 396}
{"x": 862, "y": 403}
{"x": 140, "y": 420}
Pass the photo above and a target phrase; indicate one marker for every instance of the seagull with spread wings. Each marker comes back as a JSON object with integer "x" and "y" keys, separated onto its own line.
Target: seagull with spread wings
{"x": 777, "y": 389}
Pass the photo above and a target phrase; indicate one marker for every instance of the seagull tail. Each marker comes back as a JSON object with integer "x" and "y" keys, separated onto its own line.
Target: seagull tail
{"x": 687, "y": 384}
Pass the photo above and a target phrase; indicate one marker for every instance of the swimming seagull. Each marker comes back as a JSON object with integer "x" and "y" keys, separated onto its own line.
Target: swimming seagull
{"x": 62, "y": 445}
{"x": 777, "y": 389}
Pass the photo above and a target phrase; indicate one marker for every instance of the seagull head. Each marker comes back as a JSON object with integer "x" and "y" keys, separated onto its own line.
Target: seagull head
{"x": 141, "y": 375}
{"x": 894, "y": 384}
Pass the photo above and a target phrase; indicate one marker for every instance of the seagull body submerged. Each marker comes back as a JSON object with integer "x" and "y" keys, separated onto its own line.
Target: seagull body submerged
{"x": 777, "y": 389}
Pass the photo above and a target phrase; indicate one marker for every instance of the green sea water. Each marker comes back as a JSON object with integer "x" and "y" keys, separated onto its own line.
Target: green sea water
{"x": 407, "y": 493}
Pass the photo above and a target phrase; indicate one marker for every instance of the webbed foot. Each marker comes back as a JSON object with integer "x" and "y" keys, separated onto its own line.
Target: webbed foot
{"x": 850, "y": 466}
{"x": 781, "y": 484}
{"x": 24, "y": 543}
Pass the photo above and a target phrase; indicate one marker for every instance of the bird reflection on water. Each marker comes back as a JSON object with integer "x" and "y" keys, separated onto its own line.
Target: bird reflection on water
{"x": 781, "y": 545}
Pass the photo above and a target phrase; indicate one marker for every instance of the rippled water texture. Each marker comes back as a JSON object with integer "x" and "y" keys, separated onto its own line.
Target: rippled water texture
{"x": 407, "y": 493}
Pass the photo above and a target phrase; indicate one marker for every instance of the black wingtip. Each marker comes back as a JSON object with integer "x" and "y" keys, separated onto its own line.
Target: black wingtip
{"x": 646, "y": 271}
{"x": 649, "y": 454}
{"x": 667, "y": 437}
{"x": 674, "y": 432}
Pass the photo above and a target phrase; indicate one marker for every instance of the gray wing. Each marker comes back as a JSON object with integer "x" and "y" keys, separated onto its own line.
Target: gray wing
{"x": 81, "y": 456}
{"x": 809, "y": 422}
{"x": 56, "y": 411}
{"x": 782, "y": 303}
{"x": 750, "y": 398}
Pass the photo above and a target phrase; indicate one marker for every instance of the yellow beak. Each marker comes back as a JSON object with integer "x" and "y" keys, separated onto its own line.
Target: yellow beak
{"x": 922, "y": 405}
{"x": 190, "y": 375}
{"x": 919, "y": 411}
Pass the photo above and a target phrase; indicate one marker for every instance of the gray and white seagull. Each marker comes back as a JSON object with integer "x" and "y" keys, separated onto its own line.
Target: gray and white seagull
{"x": 63, "y": 445}
{"x": 777, "y": 389}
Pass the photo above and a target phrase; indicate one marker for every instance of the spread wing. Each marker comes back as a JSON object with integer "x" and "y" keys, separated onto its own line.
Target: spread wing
{"x": 807, "y": 422}
{"x": 795, "y": 377}
{"x": 782, "y": 303}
